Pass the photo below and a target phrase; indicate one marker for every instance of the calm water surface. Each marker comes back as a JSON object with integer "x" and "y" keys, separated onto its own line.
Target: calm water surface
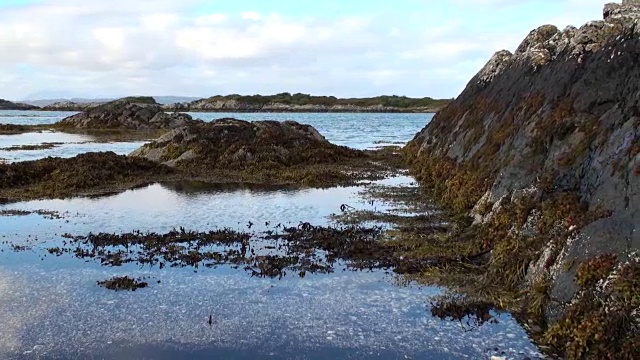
{"x": 51, "y": 307}
{"x": 361, "y": 131}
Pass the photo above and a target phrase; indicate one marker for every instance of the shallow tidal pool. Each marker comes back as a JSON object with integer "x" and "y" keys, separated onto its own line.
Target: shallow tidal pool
{"x": 51, "y": 306}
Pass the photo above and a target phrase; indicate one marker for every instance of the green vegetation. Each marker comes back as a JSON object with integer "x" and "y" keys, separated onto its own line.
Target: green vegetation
{"x": 400, "y": 102}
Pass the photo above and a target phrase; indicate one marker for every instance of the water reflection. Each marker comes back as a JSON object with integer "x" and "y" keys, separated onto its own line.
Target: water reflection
{"x": 53, "y": 307}
{"x": 64, "y": 145}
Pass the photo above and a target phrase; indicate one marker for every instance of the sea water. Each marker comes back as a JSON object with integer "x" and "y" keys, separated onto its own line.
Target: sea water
{"x": 52, "y": 308}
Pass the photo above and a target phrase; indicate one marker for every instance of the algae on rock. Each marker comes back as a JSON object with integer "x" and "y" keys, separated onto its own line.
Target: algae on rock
{"x": 541, "y": 149}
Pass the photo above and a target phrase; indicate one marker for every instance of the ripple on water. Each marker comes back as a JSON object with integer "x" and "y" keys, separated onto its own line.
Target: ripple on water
{"x": 53, "y": 306}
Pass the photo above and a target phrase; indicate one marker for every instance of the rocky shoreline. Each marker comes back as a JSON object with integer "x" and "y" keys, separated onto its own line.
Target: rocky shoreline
{"x": 9, "y": 105}
{"x": 224, "y": 150}
{"x": 547, "y": 170}
{"x": 308, "y": 104}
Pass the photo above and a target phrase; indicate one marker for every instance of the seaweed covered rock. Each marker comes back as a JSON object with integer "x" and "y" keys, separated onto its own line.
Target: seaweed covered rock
{"x": 542, "y": 148}
{"x": 232, "y": 144}
{"x": 85, "y": 173}
{"x": 137, "y": 113}
{"x": 71, "y": 106}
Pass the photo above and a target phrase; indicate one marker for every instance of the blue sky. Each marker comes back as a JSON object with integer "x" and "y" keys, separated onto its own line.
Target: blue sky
{"x": 81, "y": 48}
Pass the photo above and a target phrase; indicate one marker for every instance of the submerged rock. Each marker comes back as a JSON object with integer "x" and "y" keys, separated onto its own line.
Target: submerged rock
{"x": 236, "y": 145}
{"x": 139, "y": 113}
{"x": 543, "y": 149}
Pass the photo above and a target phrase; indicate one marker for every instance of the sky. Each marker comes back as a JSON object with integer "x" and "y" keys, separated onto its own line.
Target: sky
{"x": 344, "y": 48}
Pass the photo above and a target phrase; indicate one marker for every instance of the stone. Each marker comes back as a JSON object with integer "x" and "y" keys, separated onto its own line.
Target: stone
{"x": 140, "y": 113}
{"x": 561, "y": 113}
{"x": 232, "y": 144}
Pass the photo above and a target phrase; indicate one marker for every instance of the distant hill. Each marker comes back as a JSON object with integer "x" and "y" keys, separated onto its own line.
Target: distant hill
{"x": 9, "y": 105}
{"x": 283, "y": 102}
{"x": 160, "y": 99}
{"x": 286, "y": 102}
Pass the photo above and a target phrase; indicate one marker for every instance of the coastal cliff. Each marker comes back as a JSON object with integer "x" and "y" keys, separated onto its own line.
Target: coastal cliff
{"x": 542, "y": 151}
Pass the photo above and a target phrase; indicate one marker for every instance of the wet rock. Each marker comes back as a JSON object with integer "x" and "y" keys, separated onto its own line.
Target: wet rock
{"x": 141, "y": 113}
{"x": 52, "y": 177}
{"x": 11, "y": 129}
{"x": 236, "y": 144}
{"x": 560, "y": 118}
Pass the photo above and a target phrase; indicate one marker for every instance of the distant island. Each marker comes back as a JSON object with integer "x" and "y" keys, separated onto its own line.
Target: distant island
{"x": 283, "y": 102}
{"x": 9, "y": 105}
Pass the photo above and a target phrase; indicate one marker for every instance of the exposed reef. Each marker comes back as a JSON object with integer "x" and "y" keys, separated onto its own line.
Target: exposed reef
{"x": 265, "y": 152}
{"x": 223, "y": 151}
{"x": 237, "y": 144}
{"x": 141, "y": 113}
{"x": 542, "y": 151}
{"x": 84, "y": 174}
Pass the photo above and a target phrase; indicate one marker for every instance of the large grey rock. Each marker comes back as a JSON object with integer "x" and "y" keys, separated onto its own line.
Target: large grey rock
{"x": 566, "y": 104}
{"x": 127, "y": 113}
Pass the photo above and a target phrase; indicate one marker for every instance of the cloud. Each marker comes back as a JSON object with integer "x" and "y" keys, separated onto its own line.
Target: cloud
{"x": 118, "y": 47}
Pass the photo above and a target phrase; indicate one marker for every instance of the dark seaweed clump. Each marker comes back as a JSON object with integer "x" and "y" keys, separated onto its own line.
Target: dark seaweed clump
{"x": 282, "y": 250}
{"x": 118, "y": 283}
{"x": 11, "y": 129}
{"x": 299, "y": 249}
{"x": 86, "y": 172}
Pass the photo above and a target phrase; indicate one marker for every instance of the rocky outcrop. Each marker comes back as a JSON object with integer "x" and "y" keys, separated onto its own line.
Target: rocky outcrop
{"x": 8, "y": 105}
{"x": 286, "y": 102}
{"x": 542, "y": 148}
{"x": 71, "y": 106}
{"x": 230, "y": 144}
{"x": 129, "y": 113}
{"x": 280, "y": 103}
{"x": 236, "y": 106}
{"x": 90, "y": 173}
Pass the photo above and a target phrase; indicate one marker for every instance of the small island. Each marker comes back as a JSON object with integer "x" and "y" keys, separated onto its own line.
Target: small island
{"x": 283, "y": 102}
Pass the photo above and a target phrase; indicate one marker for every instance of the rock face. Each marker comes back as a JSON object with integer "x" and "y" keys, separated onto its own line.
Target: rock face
{"x": 232, "y": 144}
{"x": 8, "y": 105}
{"x": 129, "y": 113}
{"x": 558, "y": 118}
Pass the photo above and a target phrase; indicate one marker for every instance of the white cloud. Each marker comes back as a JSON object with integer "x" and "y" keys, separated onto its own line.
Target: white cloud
{"x": 250, "y": 15}
{"x": 122, "y": 47}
